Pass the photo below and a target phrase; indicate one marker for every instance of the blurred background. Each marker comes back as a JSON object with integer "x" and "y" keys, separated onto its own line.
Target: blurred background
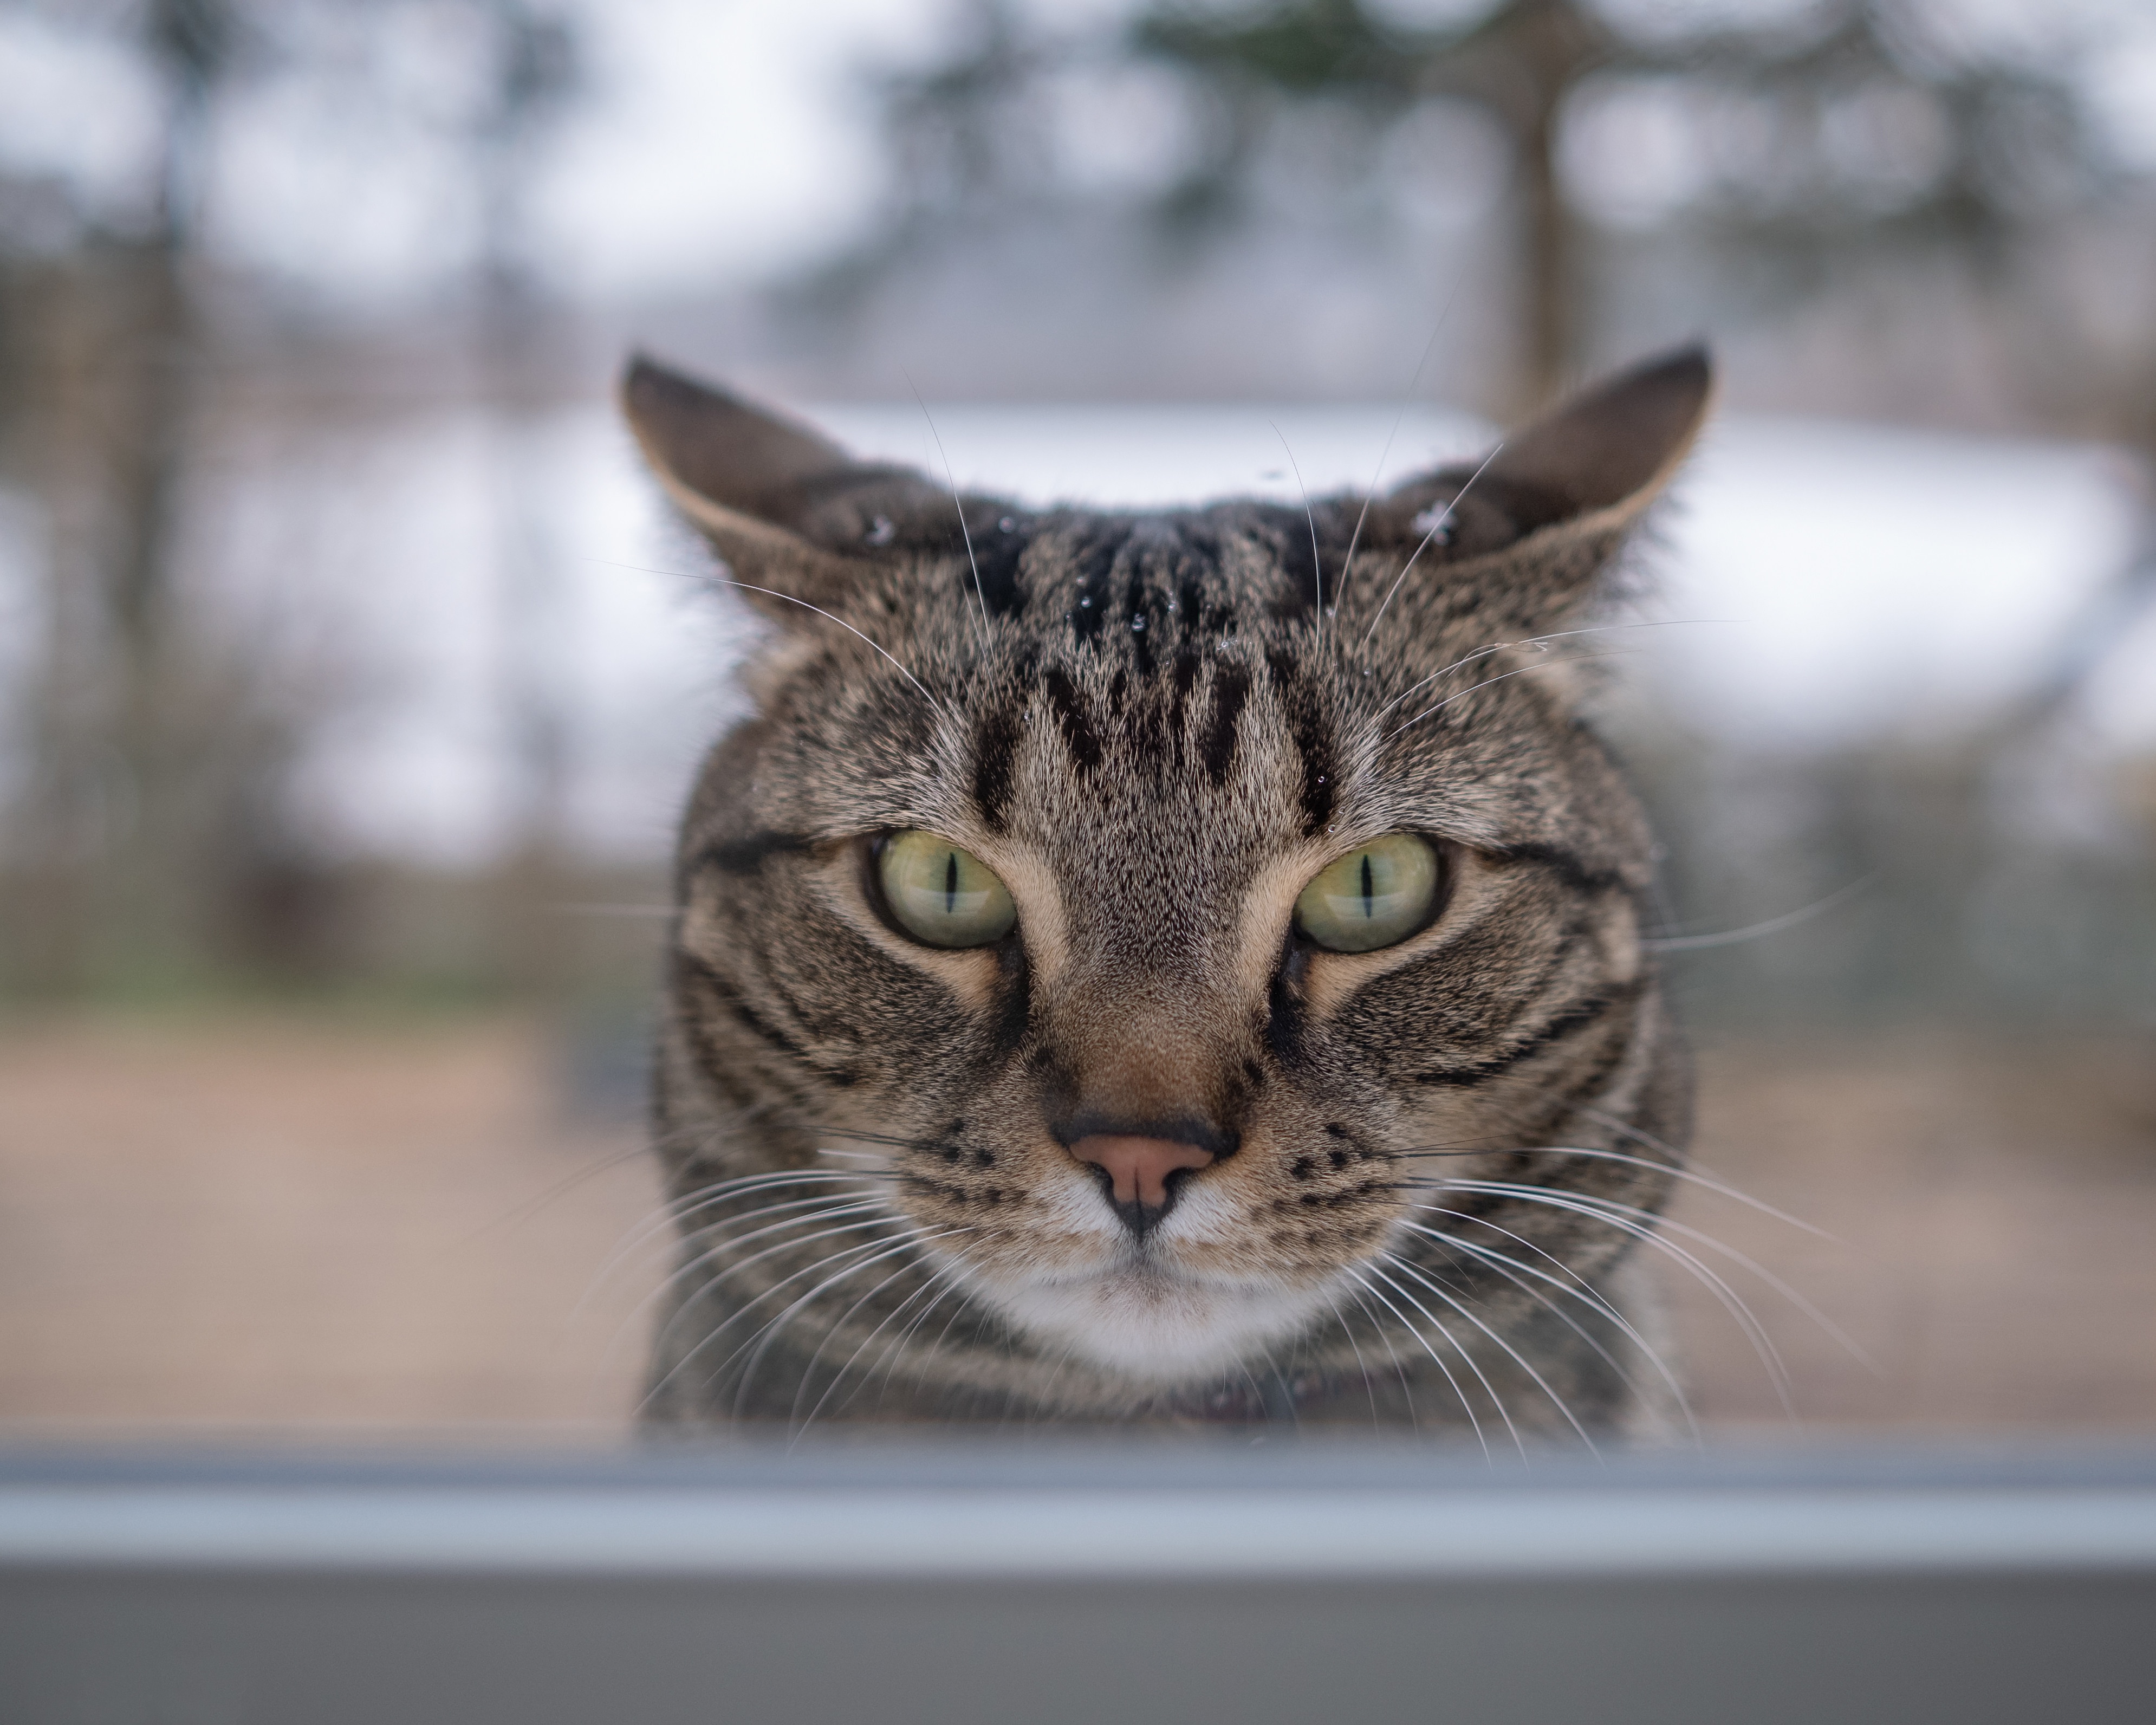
{"x": 350, "y": 676}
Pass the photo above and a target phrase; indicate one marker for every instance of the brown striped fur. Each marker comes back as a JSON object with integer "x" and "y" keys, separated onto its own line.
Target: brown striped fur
{"x": 1156, "y": 727}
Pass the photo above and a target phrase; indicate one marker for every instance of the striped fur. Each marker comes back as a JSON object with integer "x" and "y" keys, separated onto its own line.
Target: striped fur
{"x": 1156, "y": 727}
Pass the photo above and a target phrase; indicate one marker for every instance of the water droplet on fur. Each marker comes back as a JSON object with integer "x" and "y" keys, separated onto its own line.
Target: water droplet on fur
{"x": 1321, "y": 779}
{"x": 1009, "y": 524}
{"x": 1138, "y": 625}
{"x": 1087, "y": 605}
{"x": 880, "y": 530}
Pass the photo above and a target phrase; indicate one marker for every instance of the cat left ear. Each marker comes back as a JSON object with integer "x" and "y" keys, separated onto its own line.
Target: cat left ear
{"x": 1556, "y": 499}
{"x": 784, "y": 506}
{"x": 1609, "y": 450}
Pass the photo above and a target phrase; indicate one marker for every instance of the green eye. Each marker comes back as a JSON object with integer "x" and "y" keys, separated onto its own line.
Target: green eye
{"x": 942, "y": 895}
{"x": 1370, "y": 898}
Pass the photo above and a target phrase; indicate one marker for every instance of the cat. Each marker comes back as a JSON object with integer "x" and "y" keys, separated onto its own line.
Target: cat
{"x": 1172, "y": 966}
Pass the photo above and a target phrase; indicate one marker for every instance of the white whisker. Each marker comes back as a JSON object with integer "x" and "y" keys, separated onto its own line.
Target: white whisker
{"x": 1763, "y": 1344}
{"x": 1759, "y": 931}
{"x": 1467, "y": 1406}
{"x": 1826, "y": 1323}
{"x": 1578, "y": 1288}
{"x": 877, "y": 1217}
{"x": 1437, "y": 526}
{"x": 959, "y": 504}
{"x": 1687, "y": 1174}
{"x": 839, "y": 1323}
{"x": 1317, "y": 562}
{"x": 773, "y": 593}
{"x": 1521, "y": 671}
{"x": 773, "y": 1328}
{"x": 1354, "y": 539}
{"x": 1512, "y": 1352}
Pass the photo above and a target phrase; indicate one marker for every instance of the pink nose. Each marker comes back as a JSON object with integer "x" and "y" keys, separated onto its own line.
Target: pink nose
{"x": 1140, "y": 1167}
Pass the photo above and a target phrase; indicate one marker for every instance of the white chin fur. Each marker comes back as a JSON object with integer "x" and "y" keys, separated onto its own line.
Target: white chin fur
{"x": 1155, "y": 1325}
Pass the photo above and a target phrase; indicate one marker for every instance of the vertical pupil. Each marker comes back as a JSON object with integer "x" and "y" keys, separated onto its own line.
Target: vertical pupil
{"x": 1369, "y": 889}
{"x": 950, "y": 883}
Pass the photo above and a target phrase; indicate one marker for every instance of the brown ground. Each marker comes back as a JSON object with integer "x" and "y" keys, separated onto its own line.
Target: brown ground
{"x": 308, "y": 1222}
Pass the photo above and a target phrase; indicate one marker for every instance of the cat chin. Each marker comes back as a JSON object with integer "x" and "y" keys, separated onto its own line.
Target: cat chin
{"x": 1156, "y": 1326}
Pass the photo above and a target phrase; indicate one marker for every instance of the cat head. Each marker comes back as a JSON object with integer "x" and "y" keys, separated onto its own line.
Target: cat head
{"x": 1129, "y": 898}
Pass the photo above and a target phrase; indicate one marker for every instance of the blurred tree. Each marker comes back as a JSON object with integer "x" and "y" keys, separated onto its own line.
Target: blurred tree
{"x": 114, "y": 819}
{"x": 1793, "y": 142}
{"x": 154, "y": 836}
{"x": 532, "y": 76}
{"x": 967, "y": 147}
{"x": 1782, "y": 146}
{"x": 1519, "y": 61}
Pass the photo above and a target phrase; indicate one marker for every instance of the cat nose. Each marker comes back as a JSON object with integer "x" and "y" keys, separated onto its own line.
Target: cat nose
{"x": 1138, "y": 1167}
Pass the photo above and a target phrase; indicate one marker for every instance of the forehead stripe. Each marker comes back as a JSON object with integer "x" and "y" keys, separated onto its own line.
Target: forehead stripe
{"x": 1070, "y": 719}
{"x": 995, "y": 752}
{"x": 1231, "y": 688}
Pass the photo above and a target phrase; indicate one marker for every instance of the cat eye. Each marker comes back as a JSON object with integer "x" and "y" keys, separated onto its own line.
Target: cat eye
{"x": 1376, "y": 897}
{"x": 940, "y": 894}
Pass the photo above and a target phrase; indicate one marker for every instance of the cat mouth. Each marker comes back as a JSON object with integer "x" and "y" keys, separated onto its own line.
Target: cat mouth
{"x": 1152, "y": 1319}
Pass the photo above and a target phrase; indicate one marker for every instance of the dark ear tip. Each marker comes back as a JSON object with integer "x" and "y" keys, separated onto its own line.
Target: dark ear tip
{"x": 646, "y": 384}
{"x": 1687, "y": 372}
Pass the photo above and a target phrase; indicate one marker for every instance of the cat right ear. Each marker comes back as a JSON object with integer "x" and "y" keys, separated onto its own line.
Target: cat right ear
{"x": 783, "y": 505}
{"x": 1556, "y": 499}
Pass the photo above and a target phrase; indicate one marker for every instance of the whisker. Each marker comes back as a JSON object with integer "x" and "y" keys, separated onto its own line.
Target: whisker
{"x": 1467, "y": 1406}
{"x": 1681, "y": 1173}
{"x": 1832, "y": 1329}
{"x": 1521, "y": 671}
{"x": 1400, "y": 1370}
{"x": 953, "y": 1276}
{"x": 1439, "y": 525}
{"x": 943, "y": 1336}
{"x": 959, "y": 504}
{"x": 566, "y": 1183}
{"x": 1697, "y": 1169}
{"x": 1577, "y": 1288}
{"x": 1317, "y": 562}
{"x": 1354, "y": 539}
{"x": 771, "y": 1332}
{"x": 1474, "y": 1365}
{"x": 736, "y": 1316}
{"x": 1759, "y": 931}
{"x": 1763, "y": 1344}
{"x": 662, "y": 1220}
{"x": 1517, "y": 1358}
{"x": 875, "y": 1216}
{"x": 1361, "y": 1365}
{"x": 757, "y": 1299}
{"x": 676, "y": 1211}
{"x": 1538, "y": 642}
{"x": 773, "y": 593}
{"x": 1511, "y": 1271}
{"x": 839, "y": 1323}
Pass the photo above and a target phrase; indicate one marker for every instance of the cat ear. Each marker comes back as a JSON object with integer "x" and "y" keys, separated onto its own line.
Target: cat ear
{"x": 788, "y": 510}
{"x": 1555, "y": 500}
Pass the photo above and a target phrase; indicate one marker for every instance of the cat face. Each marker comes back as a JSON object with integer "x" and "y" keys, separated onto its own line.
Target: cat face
{"x": 1115, "y": 935}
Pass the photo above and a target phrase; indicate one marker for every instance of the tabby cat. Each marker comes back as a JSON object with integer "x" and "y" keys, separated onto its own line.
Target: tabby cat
{"x": 1167, "y": 966}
